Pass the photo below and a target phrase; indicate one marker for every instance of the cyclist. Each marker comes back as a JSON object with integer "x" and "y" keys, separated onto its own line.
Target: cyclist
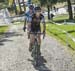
{"x": 35, "y": 26}
{"x": 28, "y": 16}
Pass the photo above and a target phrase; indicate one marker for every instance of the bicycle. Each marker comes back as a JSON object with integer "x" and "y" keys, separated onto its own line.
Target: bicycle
{"x": 35, "y": 50}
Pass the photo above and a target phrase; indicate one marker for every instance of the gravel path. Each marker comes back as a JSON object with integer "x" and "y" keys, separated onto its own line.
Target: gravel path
{"x": 14, "y": 54}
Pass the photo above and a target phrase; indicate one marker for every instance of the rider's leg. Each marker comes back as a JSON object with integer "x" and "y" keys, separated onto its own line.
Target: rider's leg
{"x": 39, "y": 39}
{"x": 28, "y": 29}
{"x": 31, "y": 41}
{"x": 39, "y": 43}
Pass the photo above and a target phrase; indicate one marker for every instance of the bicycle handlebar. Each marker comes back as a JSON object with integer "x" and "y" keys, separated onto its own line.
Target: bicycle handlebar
{"x": 35, "y": 32}
{"x": 38, "y": 33}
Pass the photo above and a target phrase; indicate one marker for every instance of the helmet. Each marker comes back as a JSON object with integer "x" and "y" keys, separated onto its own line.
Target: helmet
{"x": 37, "y": 8}
{"x": 31, "y": 7}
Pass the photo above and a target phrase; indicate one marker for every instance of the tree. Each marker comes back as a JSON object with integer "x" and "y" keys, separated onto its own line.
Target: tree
{"x": 2, "y": 0}
{"x": 20, "y": 6}
{"x": 70, "y": 10}
{"x": 10, "y": 2}
{"x": 14, "y": 5}
{"x": 35, "y": 2}
{"x": 24, "y": 5}
{"x": 48, "y": 4}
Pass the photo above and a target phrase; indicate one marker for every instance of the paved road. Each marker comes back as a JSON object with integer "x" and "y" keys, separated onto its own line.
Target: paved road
{"x": 14, "y": 54}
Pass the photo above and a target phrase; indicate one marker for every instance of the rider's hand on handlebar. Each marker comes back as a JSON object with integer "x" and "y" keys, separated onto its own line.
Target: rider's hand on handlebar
{"x": 24, "y": 28}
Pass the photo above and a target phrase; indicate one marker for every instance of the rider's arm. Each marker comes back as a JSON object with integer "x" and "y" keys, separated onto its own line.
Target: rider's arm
{"x": 25, "y": 22}
{"x": 44, "y": 24}
{"x": 29, "y": 18}
{"x": 25, "y": 19}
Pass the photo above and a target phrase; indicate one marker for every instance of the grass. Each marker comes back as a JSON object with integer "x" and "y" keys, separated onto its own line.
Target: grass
{"x": 18, "y": 22}
{"x": 61, "y": 18}
{"x": 3, "y": 29}
{"x": 62, "y": 37}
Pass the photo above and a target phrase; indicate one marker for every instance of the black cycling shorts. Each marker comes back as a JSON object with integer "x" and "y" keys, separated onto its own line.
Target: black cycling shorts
{"x": 35, "y": 30}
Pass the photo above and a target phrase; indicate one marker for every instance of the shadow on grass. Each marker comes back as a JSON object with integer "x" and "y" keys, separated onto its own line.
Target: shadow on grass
{"x": 72, "y": 31}
{"x": 65, "y": 41}
{"x": 61, "y": 21}
{"x": 64, "y": 20}
{"x": 4, "y": 37}
{"x": 42, "y": 66}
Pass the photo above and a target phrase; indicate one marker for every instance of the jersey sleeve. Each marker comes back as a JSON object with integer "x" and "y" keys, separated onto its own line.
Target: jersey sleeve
{"x": 28, "y": 17}
{"x": 42, "y": 19}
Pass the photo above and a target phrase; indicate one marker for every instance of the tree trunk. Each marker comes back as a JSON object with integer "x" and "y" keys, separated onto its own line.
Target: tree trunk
{"x": 20, "y": 6}
{"x": 15, "y": 7}
{"x": 24, "y": 5}
{"x": 70, "y": 10}
{"x": 48, "y": 12}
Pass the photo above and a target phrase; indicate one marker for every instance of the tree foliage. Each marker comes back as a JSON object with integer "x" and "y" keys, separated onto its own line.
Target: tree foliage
{"x": 2, "y": 0}
{"x": 69, "y": 7}
{"x": 35, "y": 2}
{"x": 48, "y": 2}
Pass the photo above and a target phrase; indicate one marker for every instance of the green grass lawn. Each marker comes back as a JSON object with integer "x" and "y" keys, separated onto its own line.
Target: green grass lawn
{"x": 61, "y": 18}
{"x": 3, "y": 29}
{"x": 61, "y": 36}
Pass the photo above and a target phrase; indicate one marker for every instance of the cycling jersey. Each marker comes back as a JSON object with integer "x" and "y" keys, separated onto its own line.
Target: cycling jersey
{"x": 28, "y": 16}
{"x": 35, "y": 23}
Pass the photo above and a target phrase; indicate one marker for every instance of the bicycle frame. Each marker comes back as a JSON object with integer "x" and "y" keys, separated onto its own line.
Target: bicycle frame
{"x": 35, "y": 53}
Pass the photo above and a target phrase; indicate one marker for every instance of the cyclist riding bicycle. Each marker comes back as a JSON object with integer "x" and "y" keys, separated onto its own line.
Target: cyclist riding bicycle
{"x": 28, "y": 17}
{"x": 35, "y": 26}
